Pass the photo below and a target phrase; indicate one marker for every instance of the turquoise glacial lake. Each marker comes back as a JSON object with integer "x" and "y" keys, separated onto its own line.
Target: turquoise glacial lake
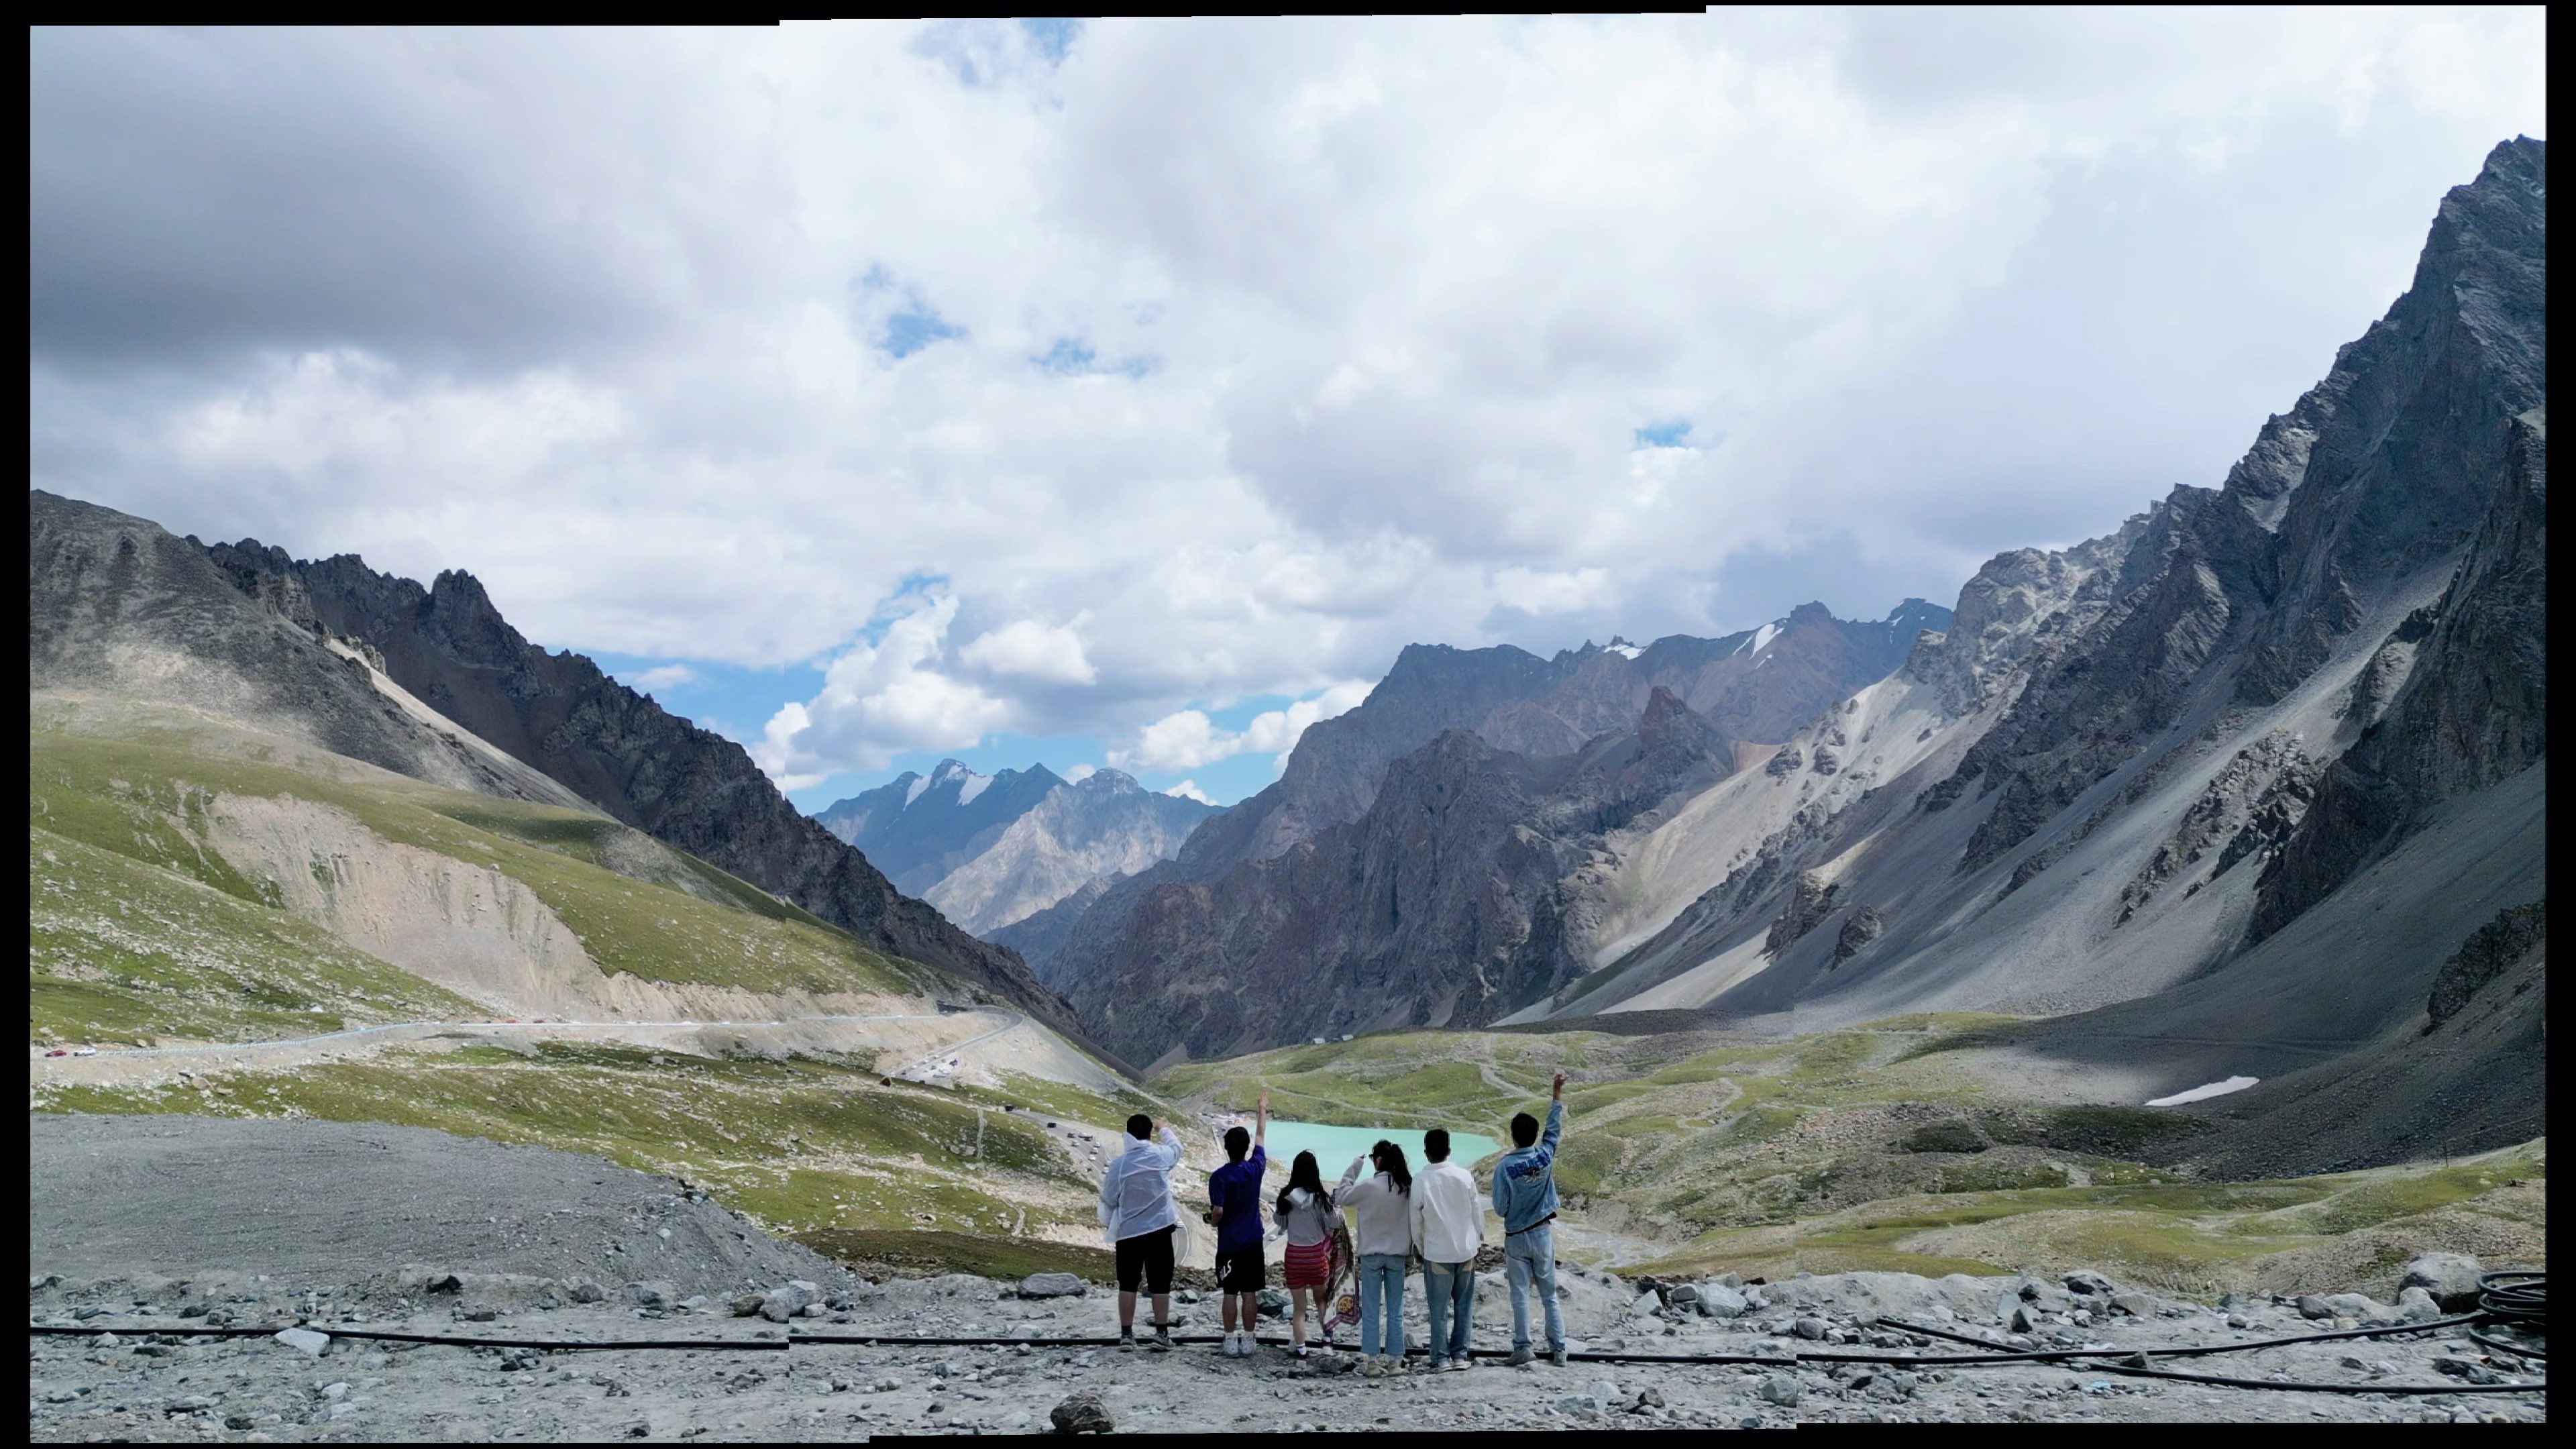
{"x": 1334, "y": 1147}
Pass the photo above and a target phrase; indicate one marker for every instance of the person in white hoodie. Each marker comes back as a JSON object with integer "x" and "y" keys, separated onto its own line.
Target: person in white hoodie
{"x": 1140, "y": 1219}
{"x": 1385, "y": 1237}
{"x": 1448, "y": 1228}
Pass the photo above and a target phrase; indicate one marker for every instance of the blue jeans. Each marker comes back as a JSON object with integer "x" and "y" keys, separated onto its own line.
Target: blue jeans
{"x": 1382, "y": 1290}
{"x": 1530, "y": 1258}
{"x": 1450, "y": 1289}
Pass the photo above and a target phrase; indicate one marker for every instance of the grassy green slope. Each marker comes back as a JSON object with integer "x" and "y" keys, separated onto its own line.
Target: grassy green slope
{"x": 1875, "y": 1148}
{"x": 146, "y": 801}
{"x": 119, "y": 950}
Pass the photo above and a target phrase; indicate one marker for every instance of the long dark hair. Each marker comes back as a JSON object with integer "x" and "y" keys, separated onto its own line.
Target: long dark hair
{"x": 1303, "y": 1173}
{"x": 1390, "y": 1160}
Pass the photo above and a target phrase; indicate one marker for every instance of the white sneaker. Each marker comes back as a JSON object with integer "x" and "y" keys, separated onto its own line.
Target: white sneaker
{"x": 1233, "y": 1343}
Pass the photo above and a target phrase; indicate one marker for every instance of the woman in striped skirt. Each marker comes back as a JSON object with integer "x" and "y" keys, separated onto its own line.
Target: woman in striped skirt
{"x": 1305, "y": 1215}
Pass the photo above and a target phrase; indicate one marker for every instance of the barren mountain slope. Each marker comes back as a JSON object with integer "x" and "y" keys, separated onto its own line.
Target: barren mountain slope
{"x": 2182, "y": 752}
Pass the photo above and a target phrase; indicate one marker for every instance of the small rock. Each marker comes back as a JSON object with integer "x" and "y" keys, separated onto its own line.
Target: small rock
{"x": 2465, "y": 1368}
{"x": 1052, "y": 1285}
{"x": 1781, "y": 1389}
{"x": 2451, "y": 1279}
{"x": 1081, "y": 1414}
{"x": 197, "y": 1403}
{"x": 2355, "y": 1306}
{"x": 2313, "y": 1305}
{"x": 654, "y": 1294}
{"x": 2417, "y": 1305}
{"x": 1650, "y": 1398}
{"x": 1809, "y": 1328}
{"x": 1581, "y": 1406}
{"x": 39, "y": 1282}
{"x": 304, "y": 1341}
{"x": 585, "y": 1291}
{"x": 1716, "y": 1300}
{"x": 2022, "y": 1320}
{"x": 2086, "y": 1281}
{"x": 746, "y": 1305}
{"x": 2134, "y": 1304}
{"x": 341, "y": 1410}
{"x": 1647, "y": 1302}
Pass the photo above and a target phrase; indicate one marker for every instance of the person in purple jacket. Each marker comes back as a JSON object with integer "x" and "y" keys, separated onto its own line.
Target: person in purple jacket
{"x": 1234, "y": 1198}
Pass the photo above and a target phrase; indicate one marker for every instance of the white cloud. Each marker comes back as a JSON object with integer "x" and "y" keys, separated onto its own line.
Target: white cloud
{"x": 1183, "y": 740}
{"x": 1189, "y": 790}
{"x": 1028, "y": 649}
{"x": 1079, "y": 773}
{"x": 1537, "y": 591}
{"x": 1187, "y": 739}
{"x": 879, "y": 701}
{"x": 1248, "y": 351}
{"x": 661, "y": 677}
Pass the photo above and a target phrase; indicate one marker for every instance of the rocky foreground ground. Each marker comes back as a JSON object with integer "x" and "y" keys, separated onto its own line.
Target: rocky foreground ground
{"x": 133, "y": 1370}
{"x": 146, "y": 1233}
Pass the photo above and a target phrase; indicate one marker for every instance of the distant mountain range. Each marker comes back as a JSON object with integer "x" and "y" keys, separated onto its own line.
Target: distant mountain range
{"x": 1532, "y": 766}
{"x": 989, "y": 850}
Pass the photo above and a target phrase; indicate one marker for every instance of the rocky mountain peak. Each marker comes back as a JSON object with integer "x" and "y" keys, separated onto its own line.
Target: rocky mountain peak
{"x": 1109, "y": 782}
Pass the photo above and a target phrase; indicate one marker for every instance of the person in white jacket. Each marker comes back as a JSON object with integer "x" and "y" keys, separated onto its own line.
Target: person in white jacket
{"x": 1448, "y": 1228}
{"x": 1139, "y": 1218}
{"x": 1385, "y": 1237}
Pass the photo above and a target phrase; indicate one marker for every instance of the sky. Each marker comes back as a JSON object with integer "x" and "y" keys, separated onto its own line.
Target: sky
{"x": 1127, "y": 394}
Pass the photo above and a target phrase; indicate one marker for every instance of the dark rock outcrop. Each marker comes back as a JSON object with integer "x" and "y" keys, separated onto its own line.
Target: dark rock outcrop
{"x": 2491, "y": 950}
{"x": 1442, "y": 905}
{"x": 118, "y": 605}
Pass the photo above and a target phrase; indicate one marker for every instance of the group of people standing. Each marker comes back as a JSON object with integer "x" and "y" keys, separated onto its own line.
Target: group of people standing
{"x": 1398, "y": 1216}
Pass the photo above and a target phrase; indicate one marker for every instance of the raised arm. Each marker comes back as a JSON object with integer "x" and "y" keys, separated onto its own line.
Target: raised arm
{"x": 1543, "y": 1155}
{"x": 1261, "y": 1121}
{"x": 1350, "y": 1176}
{"x": 1172, "y": 1145}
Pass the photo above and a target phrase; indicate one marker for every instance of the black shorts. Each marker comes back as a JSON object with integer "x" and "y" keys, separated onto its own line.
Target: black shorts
{"x": 1240, "y": 1270}
{"x": 1147, "y": 1257}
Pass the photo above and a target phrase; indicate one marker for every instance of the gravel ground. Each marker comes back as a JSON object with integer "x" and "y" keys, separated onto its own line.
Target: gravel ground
{"x": 146, "y": 1231}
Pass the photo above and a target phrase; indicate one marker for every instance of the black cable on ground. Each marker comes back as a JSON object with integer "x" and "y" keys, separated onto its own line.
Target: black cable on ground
{"x": 2516, "y": 1296}
{"x": 2506, "y": 1346}
{"x": 2197, "y": 1350}
{"x": 2134, "y": 1372}
{"x": 717, "y": 1345}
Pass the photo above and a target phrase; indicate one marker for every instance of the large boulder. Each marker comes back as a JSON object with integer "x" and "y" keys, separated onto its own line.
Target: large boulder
{"x": 2452, "y": 1279}
{"x": 1052, "y": 1285}
{"x": 1083, "y": 1414}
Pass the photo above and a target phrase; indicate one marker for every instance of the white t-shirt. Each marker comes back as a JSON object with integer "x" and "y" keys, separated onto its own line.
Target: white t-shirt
{"x": 1448, "y": 1218}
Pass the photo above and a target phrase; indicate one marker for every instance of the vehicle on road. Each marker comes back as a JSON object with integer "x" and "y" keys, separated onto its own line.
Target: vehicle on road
{"x": 84, "y": 1051}
{"x": 58, "y": 1052}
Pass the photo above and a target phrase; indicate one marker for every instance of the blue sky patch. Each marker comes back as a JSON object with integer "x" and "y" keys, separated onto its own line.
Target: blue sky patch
{"x": 1664, "y": 435}
{"x": 1052, "y": 35}
{"x": 914, "y": 328}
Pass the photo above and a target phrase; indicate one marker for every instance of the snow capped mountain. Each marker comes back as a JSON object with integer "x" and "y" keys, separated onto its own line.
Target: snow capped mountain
{"x": 1103, "y": 824}
{"x": 918, "y": 828}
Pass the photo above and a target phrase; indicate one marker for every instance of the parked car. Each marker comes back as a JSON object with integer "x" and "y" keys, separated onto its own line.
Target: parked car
{"x": 84, "y": 1051}
{"x": 58, "y": 1052}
